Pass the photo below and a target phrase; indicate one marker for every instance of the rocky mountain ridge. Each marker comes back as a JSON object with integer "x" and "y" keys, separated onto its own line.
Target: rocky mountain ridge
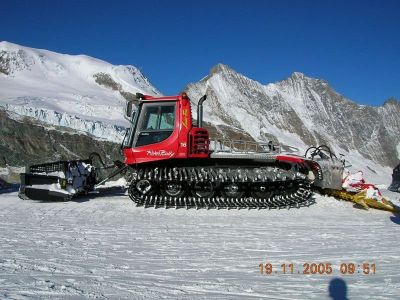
{"x": 301, "y": 111}
{"x": 25, "y": 141}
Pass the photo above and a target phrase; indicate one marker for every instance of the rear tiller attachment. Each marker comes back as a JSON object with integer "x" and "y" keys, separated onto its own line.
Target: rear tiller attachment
{"x": 64, "y": 180}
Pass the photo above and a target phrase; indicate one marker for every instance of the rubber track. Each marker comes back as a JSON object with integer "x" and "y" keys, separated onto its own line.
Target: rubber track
{"x": 283, "y": 197}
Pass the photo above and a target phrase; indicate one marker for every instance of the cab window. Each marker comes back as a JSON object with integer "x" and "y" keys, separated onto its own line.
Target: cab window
{"x": 157, "y": 123}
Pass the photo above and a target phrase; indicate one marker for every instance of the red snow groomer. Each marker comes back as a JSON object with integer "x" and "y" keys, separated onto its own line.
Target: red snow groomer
{"x": 171, "y": 162}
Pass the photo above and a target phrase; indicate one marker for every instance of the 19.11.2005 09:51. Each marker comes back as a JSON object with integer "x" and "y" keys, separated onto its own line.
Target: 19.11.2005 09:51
{"x": 324, "y": 268}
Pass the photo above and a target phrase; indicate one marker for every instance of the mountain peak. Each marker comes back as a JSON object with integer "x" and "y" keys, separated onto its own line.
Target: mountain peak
{"x": 298, "y": 75}
{"x": 4, "y": 45}
{"x": 17, "y": 61}
{"x": 12, "y": 47}
{"x": 391, "y": 101}
{"x": 220, "y": 68}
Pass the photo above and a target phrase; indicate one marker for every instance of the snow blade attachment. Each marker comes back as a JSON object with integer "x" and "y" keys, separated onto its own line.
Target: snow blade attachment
{"x": 57, "y": 181}
{"x": 362, "y": 200}
{"x": 395, "y": 186}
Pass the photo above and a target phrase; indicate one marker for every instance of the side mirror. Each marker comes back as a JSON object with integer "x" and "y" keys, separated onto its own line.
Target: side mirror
{"x": 128, "y": 109}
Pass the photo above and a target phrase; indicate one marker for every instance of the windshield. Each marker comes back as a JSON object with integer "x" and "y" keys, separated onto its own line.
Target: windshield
{"x": 156, "y": 123}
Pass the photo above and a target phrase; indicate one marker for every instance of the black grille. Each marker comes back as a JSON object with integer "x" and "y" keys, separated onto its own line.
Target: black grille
{"x": 58, "y": 166}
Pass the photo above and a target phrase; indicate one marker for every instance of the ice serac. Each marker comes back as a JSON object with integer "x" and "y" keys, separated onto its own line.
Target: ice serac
{"x": 25, "y": 141}
{"x": 76, "y": 91}
{"x": 301, "y": 111}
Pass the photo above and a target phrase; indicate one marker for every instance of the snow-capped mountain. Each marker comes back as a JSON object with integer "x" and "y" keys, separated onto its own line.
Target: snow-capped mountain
{"x": 300, "y": 112}
{"x": 87, "y": 94}
{"x": 76, "y": 91}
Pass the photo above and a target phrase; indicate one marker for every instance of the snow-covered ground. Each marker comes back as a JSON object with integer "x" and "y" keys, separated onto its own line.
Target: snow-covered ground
{"x": 105, "y": 247}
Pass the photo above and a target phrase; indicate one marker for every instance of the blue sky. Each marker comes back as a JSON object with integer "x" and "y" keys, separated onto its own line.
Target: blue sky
{"x": 354, "y": 45}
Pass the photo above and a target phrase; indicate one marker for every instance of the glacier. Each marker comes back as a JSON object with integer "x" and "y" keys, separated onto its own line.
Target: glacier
{"x": 65, "y": 90}
{"x": 98, "y": 129}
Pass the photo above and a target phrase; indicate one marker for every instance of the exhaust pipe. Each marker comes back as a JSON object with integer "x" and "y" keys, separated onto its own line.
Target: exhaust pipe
{"x": 200, "y": 111}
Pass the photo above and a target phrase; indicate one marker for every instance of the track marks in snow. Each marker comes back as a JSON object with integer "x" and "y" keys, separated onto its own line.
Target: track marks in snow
{"x": 106, "y": 247}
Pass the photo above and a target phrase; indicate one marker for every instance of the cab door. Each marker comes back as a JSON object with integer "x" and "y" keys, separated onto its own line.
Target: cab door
{"x": 157, "y": 132}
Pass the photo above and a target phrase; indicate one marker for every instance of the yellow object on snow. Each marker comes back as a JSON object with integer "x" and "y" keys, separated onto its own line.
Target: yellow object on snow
{"x": 361, "y": 199}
